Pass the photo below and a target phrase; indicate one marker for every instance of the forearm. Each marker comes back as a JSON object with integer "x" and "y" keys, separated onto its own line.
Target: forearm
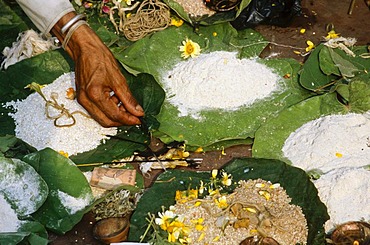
{"x": 45, "y": 13}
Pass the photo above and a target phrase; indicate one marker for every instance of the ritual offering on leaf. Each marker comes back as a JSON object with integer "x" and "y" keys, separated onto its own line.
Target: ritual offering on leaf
{"x": 234, "y": 206}
{"x": 55, "y": 119}
{"x": 256, "y": 208}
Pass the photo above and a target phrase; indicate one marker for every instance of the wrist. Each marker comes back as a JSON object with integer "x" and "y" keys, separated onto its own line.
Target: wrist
{"x": 72, "y": 31}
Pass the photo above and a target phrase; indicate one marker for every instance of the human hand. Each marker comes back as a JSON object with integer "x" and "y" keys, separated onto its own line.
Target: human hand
{"x": 101, "y": 88}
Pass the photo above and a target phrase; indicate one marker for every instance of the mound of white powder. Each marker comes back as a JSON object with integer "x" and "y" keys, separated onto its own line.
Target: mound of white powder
{"x": 346, "y": 192}
{"x": 330, "y": 142}
{"x": 8, "y": 218}
{"x": 33, "y": 127}
{"x": 339, "y": 146}
{"x": 218, "y": 80}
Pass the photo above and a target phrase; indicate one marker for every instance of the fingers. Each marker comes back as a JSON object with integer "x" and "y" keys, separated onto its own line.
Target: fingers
{"x": 107, "y": 110}
{"x": 122, "y": 92}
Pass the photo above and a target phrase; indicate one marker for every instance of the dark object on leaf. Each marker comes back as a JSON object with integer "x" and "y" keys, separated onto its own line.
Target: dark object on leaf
{"x": 354, "y": 232}
{"x": 270, "y": 12}
{"x": 257, "y": 240}
{"x": 111, "y": 230}
{"x": 222, "y": 5}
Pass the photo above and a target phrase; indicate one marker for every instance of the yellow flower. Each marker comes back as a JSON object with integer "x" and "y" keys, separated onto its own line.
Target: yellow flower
{"x": 310, "y": 46}
{"x": 164, "y": 219}
{"x": 331, "y": 35}
{"x": 176, "y": 22}
{"x": 221, "y": 202}
{"x": 198, "y": 224}
{"x": 185, "y": 196}
{"x": 226, "y": 179}
{"x": 201, "y": 188}
{"x": 214, "y": 173}
{"x": 302, "y": 31}
{"x": 189, "y": 49}
{"x": 63, "y": 153}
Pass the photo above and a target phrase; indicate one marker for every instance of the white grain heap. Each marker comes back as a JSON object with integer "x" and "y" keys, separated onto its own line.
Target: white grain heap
{"x": 33, "y": 127}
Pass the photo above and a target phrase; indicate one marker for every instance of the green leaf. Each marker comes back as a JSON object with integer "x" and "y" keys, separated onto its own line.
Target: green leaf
{"x": 293, "y": 180}
{"x": 10, "y": 25}
{"x": 346, "y": 68}
{"x": 311, "y": 77}
{"x": 326, "y": 63}
{"x": 22, "y": 186}
{"x": 359, "y": 95}
{"x": 270, "y": 137}
{"x": 70, "y": 194}
{"x": 12, "y": 147}
{"x": 239, "y": 124}
{"x": 30, "y": 232}
{"x": 343, "y": 91}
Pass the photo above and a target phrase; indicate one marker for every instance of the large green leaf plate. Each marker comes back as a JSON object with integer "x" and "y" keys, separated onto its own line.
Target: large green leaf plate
{"x": 325, "y": 67}
{"x": 159, "y": 53}
{"x": 293, "y": 180}
{"x": 70, "y": 195}
{"x": 270, "y": 137}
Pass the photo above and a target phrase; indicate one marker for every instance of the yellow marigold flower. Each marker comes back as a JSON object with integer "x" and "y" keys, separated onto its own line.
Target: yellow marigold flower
{"x": 226, "y": 179}
{"x": 189, "y": 49}
{"x": 331, "y": 35}
{"x": 176, "y": 22}
{"x": 310, "y": 46}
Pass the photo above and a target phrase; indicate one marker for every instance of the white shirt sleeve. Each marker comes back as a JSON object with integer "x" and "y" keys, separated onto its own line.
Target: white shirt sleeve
{"x": 45, "y": 13}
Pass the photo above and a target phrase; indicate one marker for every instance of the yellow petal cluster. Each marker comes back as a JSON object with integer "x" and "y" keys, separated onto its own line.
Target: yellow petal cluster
{"x": 189, "y": 49}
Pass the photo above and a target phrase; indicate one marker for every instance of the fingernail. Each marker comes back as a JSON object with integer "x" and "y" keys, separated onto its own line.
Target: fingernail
{"x": 139, "y": 108}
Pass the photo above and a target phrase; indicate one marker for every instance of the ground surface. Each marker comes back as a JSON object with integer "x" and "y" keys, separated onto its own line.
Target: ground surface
{"x": 316, "y": 15}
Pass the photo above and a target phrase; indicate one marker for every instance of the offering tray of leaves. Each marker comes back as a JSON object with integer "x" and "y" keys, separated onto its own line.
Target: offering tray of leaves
{"x": 264, "y": 177}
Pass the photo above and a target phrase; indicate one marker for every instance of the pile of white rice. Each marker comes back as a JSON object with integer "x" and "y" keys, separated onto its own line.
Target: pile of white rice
{"x": 33, "y": 127}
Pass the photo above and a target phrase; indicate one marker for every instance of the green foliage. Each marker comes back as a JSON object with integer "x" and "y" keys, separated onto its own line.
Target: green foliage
{"x": 326, "y": 68}
{"x": 61, "y": 175}
{"x": 271, "y": 136}
{"x": 239, "y": 124}
{"x": 293, "y": 180}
